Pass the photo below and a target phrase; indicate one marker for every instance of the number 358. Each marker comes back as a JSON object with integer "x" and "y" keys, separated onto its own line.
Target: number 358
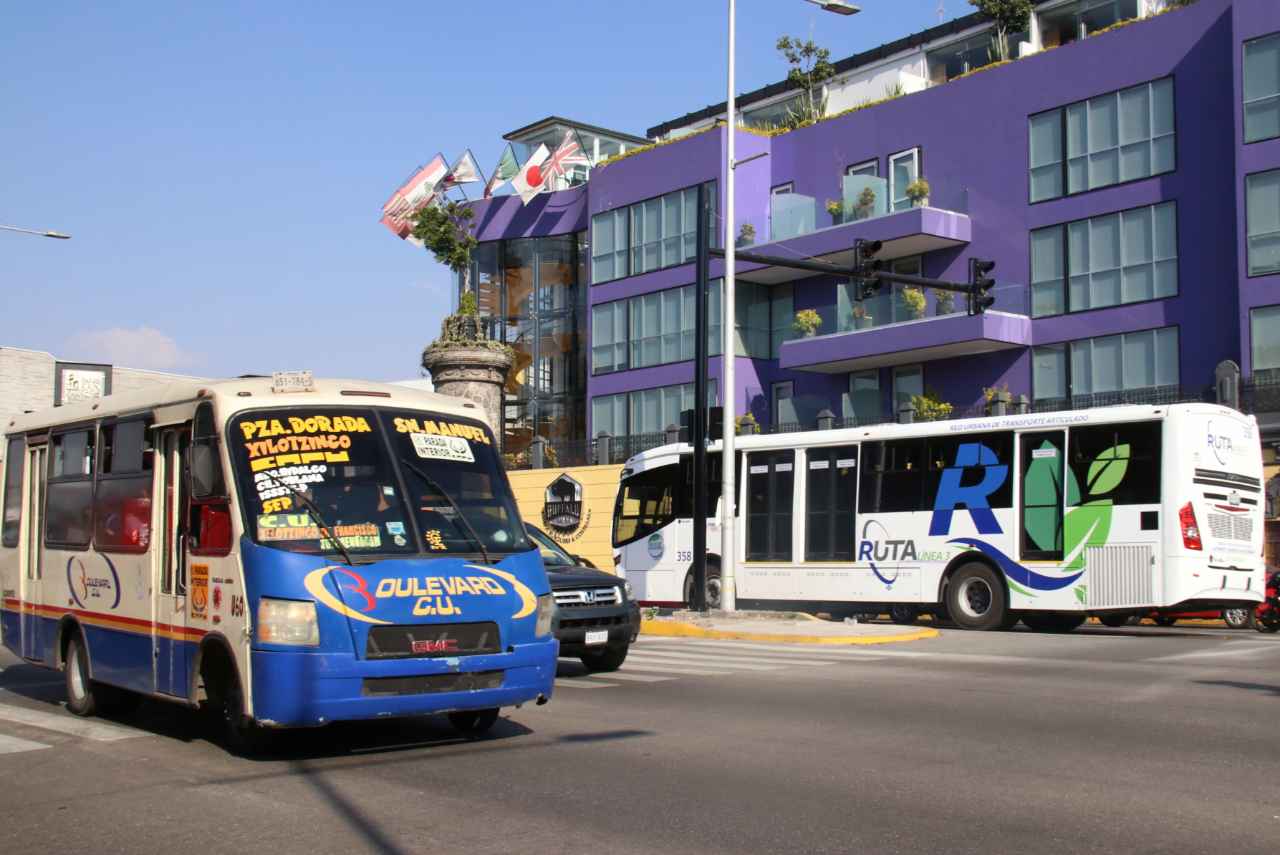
{"x": 686, "y": 555}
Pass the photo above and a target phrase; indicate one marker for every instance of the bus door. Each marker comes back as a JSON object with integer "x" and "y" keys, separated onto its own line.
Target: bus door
{"x": 32, "y": 571}
{"x": 169, "y": 600}
{"x": 1042, "y": 463}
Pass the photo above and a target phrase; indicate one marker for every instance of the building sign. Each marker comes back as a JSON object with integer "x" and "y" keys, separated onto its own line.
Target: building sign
{"x": 573, "y": 506}
{"x": 75, "y": 381}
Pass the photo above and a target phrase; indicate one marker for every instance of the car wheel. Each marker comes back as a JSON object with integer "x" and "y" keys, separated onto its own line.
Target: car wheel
{"x": 1114, "y": 621}
{"x": 1164, "y": 620}
{"x": 608, "y": 659}
{"x": 903, "y": 613}
{"x": 1052, "y": 621}
{"x": 474, "y": 722}
{"x": 1240, "y": 618}
{"x": 976, "y": 598}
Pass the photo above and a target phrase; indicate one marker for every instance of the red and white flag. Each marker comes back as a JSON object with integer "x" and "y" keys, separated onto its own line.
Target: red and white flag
{"x": 529, "y": 180}
{"x": 414, "y": 195}
{"x": 569, "y": 154}
{"x": 465, "y": 170}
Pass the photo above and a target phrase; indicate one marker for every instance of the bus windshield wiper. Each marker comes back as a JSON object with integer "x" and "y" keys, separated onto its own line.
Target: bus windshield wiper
{"x": 435, "y": 485}
{"x": 324, "y": 526}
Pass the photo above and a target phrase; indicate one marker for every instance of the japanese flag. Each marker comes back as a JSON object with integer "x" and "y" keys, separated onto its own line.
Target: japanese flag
{"x": 529, "y": 180}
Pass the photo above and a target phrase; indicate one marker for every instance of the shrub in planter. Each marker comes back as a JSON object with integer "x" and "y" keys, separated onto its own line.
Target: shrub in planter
{"x": 918, "y": 192}
{"x": 806, "y": 322}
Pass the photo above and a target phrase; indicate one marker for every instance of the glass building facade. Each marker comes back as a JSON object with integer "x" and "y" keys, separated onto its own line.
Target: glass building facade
{"x": 532, "y": 294}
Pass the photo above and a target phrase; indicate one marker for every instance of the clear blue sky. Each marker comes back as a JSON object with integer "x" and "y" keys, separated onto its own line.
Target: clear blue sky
{"x": 222, "y": 166}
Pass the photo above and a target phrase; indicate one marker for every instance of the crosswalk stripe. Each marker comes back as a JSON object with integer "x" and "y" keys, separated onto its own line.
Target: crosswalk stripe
{"x": 712, "y": 662}
{"x": 14, "y": 745}
{"x": 793, "y": 649}
{"x": 632, "y": 678}
{"x": 680, "y": 653}
{"x": 65, "y": 723}
{"x": 655, "y": 667}
{"x": 564, "y": 683}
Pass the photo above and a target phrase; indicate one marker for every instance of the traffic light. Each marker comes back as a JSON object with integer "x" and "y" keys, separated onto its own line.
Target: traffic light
{"x": 865, "y": 267}
{"x": 980, "y": 284}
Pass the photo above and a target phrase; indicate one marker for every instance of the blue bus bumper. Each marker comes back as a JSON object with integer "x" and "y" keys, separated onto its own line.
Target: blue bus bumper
{"x": 306, "y": 689}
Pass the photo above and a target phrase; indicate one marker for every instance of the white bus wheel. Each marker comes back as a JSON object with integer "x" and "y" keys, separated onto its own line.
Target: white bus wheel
{"x": 712, "y": 588}
{"x": 976, "y": 598}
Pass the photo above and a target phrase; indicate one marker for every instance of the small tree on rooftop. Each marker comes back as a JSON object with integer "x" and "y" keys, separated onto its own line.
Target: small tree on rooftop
{"x": 1009, "y": 16}
{"x": 810, "y": 68}
{"x": 448, "y": 234}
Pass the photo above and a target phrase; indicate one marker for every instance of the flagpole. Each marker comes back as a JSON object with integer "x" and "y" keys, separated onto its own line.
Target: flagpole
{"x": 728, "y": 352}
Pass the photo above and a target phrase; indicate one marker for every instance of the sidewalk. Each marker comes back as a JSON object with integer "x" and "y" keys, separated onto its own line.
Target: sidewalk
{"x": 784, "y": 627}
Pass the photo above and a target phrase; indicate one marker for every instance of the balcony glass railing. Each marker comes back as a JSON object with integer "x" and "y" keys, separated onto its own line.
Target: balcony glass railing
{"x": 862, "y": 197}
{"x": 901, "y": 304}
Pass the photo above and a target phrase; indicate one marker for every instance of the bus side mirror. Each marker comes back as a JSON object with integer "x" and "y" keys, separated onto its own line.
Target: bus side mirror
{"x": 206, "y": 471}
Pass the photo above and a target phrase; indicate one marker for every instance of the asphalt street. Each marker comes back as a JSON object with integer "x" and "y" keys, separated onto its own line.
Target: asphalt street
{"x": 1137, "y": 740}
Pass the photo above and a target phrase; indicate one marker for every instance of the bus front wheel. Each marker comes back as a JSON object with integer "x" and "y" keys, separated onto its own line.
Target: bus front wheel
{"x": 474, "y": 722}
{"x": 712, "y": 588}
{"x": 976, "y": 598}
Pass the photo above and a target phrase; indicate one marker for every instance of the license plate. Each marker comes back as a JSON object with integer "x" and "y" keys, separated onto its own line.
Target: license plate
{"x": 597, "y": 636}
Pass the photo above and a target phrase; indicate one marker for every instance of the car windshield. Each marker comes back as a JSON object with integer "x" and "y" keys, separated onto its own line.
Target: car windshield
{"x": 340, "y": 461}
{"x": 552, "y": 554}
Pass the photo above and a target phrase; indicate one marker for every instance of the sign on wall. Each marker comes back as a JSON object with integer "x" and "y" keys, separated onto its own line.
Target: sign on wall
{"x": 80, "y": 381}
{"x": 573, "y": 506}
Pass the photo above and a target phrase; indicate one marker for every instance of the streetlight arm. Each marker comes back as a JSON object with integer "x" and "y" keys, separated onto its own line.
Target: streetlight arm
{"x": 48, "y": 233}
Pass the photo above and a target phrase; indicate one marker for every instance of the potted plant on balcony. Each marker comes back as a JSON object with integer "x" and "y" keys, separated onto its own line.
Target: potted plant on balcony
{"x": 930, "y": 407}
{"x": 746, "y": 235}
{"x": 746, "y": 423}
{"x": 806, "y": 322}
{"x": 861, "y": 320}
{"x": 836, "y": 209}
{"x": 914, "y": 300}
{"x": 944, "y": 303}
{"x": 866, "y": 203}
{"x": 918, "y": 192}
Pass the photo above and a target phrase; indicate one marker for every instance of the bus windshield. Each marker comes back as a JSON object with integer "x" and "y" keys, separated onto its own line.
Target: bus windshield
{"x": 383, "y": 482}
{"x": 646, "y": 502}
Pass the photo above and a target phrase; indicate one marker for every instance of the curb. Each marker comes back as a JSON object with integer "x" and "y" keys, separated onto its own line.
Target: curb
{"x": 684, "y": 630}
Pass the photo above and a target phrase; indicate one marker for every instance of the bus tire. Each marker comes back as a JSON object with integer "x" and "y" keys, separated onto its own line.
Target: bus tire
{"x": 82, "y": 693}
{"x": 713, "y": 586}
{"x": 1164, "y": 620}
{"x": 474, "y": 722}
{"x": 976, "y": 598}
{"x": 226, "y": 707}
{"x": 903, "y": 613}
{"x": 1115, "y": 621}
{"x": 1058, "y": 622}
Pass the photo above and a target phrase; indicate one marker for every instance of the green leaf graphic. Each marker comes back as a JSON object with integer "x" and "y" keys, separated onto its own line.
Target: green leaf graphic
{"x": 1085, "y": 526}
{"x": 1080, "y": 593}
{"x": 1042, "y": 498}
{"x": 1107, "y": 469}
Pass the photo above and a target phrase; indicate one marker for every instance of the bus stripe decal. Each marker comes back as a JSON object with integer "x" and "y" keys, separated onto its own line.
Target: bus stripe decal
{"x": 117, "y": 622}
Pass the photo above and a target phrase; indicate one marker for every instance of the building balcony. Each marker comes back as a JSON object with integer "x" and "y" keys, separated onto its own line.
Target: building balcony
{"x": 905, "y": 231}
{"x": 891, "y": 329}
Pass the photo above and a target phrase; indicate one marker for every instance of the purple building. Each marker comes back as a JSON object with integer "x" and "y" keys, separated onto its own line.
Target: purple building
{"x": 1124, "y": 178}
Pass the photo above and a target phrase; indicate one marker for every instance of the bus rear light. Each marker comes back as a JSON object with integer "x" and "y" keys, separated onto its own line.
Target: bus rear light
{"x": 1190, "y": 531}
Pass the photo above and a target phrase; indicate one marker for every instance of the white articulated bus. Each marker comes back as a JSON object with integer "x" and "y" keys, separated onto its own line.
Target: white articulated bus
{"x": 1046, "y": 518}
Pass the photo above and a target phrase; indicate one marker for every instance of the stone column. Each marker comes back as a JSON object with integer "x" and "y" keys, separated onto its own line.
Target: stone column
{"x": 474, "y": 371}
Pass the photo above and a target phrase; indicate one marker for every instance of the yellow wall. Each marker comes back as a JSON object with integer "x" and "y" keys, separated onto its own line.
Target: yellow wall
{"x": 591, "y": 539}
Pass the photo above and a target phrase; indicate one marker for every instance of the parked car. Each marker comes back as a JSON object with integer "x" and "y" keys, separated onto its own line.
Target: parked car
{"x": 598, "y": 619}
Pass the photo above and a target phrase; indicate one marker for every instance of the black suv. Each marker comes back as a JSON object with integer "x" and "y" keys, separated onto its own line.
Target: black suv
{"x": 598, "y": 618}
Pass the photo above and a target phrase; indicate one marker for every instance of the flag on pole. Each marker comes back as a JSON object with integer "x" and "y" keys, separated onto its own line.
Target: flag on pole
{"x": 529, "y": 180}
{"x": 465, "y": 170}
{"x": 568, "y": 154}
{"x": 506, "y": 169}
{"x": 414, "y": 195}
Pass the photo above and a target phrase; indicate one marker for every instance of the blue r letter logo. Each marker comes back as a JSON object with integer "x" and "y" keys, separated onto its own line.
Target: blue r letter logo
{"x": 951, "y": 495}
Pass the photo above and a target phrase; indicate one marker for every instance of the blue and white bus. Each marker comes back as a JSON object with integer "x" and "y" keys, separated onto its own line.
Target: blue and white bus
{"x": 1044, "y": 518}
{"x": 286, "y": 552}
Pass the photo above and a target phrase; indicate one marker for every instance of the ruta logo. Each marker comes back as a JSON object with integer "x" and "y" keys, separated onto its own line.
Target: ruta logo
{"x": 952, "y": 493}
{"x": 1220, "y": 445}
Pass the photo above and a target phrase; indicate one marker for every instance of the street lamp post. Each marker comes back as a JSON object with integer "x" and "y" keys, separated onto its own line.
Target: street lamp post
{"x": 728, "y": 348}
{"x": 47, "y": 233}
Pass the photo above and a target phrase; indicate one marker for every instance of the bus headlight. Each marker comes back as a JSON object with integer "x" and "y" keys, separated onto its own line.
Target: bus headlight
{"x": 288, "y": 622}
{"x": 545, "y": 615}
